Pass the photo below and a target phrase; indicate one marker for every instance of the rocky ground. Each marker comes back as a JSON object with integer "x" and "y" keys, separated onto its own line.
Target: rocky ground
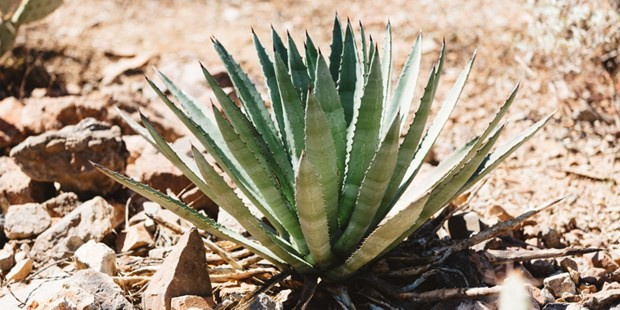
{"x": 73, "y": 239}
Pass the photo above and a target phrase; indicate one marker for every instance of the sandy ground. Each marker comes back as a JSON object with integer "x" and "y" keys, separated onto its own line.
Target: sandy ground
{"x": 561, "y": 68}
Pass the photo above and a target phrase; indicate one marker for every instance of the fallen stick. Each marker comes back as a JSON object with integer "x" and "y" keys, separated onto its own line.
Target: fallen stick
{"x": 498, "y": 257}
{"x": 450, "y": 293}
{"x": 218, "y": 278}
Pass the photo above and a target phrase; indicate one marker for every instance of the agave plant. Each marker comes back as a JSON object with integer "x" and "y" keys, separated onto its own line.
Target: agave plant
{"x": 325, "y": 166}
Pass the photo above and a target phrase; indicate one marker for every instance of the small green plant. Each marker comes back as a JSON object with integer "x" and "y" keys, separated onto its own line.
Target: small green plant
{"x": 326, "y": 166}
{"x": 14, "y": 13}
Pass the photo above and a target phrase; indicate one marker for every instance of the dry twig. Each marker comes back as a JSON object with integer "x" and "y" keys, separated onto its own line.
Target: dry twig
{"x": 498, "y": 257}
{"x": 450, "y": 293}
{"x": 219, "y": 278}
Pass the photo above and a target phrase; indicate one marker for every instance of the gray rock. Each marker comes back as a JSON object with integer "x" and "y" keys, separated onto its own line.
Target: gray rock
{"x": 560, "y": 284}
{"x": 92, "y": 220}
{"x": 18, "y": 188}
{"x": 64, "y": 156}
{"x": 26, "y": 221}
{"x": 183, "y": 272}
{"x": 62, "y": 204}
{"x": 264, "y": 302}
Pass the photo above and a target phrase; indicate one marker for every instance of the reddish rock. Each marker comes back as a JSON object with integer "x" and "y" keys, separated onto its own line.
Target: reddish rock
{"x": 92, "y": 220}
{"x": 155, "y": 170}
{"x": 602, "y": 260}
{"x": 64, "y": 156}
{"x": 551, "y": 238}
{"x": 11, "y": 131}
{"x": 26, "y": 221}
{"x": 20, "y": 271}
{"x": 18, "y": 188}
{"x": 560, "y": 284}
{"x": 7, "y": 258}
{"x": 191, "y": 302}
{"x": 135, "y": 236}
{"x": 183, "y": 272}
{"x": 603, "y": 299}
{"x": 52, "y": 113}
{"x": 129, "y": 101}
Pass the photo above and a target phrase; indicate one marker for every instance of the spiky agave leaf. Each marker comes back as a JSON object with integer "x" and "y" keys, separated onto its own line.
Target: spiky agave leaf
{"x": 325, "y": 166}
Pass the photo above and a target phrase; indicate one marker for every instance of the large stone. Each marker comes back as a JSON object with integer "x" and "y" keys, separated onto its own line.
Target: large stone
{"x": 183, "y": 272}
{"x": 10, "y": 127}
{"x": 62, "y": 204}
{"x": 18, "y": 188}
{"x": 26, "y": 221}
{"x": 92, "y": 220}
{"x": 96, "y": 256}
{"x": 64, "y": 156}
{"x": 53, "y": 113}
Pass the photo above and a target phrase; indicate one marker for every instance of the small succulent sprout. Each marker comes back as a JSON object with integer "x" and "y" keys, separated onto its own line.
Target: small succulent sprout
{"x": 14, "y": 13}
{"x": 325, "y": 166}
{"x": 7, "y": 7}
{"x": 33, "y": 10}
{"x": 7, "y": 36}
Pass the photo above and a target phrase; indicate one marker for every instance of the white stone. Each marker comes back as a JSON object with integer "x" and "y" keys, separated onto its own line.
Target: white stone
{"x": 97, "y": 256}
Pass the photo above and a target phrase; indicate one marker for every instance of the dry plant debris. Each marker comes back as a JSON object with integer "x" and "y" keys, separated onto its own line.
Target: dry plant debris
{"x": 565, "y": 53}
